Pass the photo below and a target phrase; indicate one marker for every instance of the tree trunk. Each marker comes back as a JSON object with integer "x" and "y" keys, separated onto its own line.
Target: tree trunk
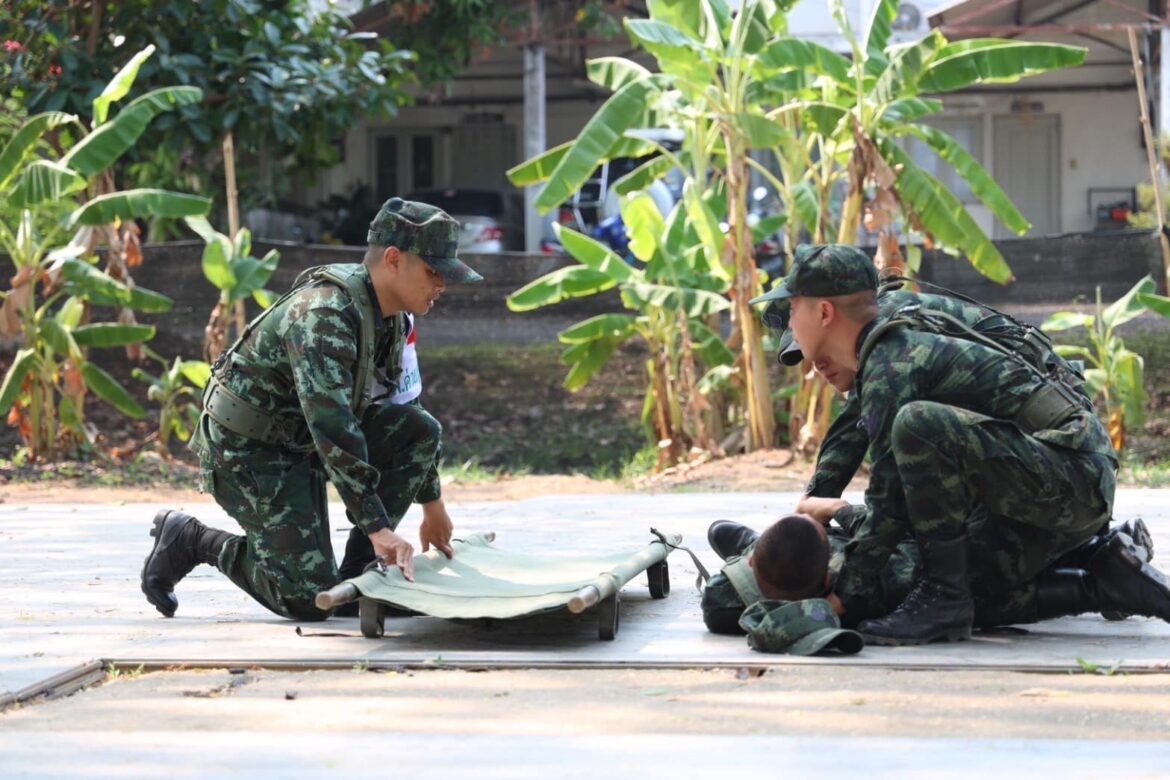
{"x": 745, "y": 286}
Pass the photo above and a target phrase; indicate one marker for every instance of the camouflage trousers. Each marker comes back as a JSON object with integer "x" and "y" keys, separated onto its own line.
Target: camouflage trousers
{"x": 1022, "y": 502}
{"x": 285, "y": 556}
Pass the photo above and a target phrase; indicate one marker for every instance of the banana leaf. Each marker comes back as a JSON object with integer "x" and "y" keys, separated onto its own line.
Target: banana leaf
{"x": 944, "y": 215}
{"x": 794, "y": 54}
{"x": 982, "y": 184}
{"x": 995, "y": 62}
{"x": 623, "y": 111}
{"x": 102, "y": 147}
{"x": 613, "y": 73}
{"x": 44, "y": 180}
{"x": 24, "y": 140}
{"x": 586, "y": 359}
{"x": 644, "y": 225}
{"x": 692, "y": 302}
{"x": 615, "y": 326}
{"x": 576, "y": 281}
{"x": 107, "y": 388}
{"x": 112, "y": 334}
{"x": 1128, "y": 306}
{"x": 22, "y": 364}
{"x": 593, "y": 254}
{"x": 119, "y": 86}
{"x": 131, "y": 204}
{"x": 676, "y": 52}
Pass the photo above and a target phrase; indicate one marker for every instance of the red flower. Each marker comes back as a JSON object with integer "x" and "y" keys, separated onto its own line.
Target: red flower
{"x": 12, "y": 46}
{"x": 54, "y": 70}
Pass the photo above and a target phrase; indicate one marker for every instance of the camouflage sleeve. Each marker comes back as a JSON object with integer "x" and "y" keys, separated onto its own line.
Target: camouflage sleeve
{"x": 841, "y": 453}
{"x": 322, "y": 347}
{"x": 432, "y": 489}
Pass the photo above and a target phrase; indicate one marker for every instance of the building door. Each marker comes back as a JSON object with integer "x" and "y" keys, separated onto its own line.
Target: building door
{"x": 481, "y": 155}
{"x": 1027, "y": 167}
{"x": 404, "y": 161}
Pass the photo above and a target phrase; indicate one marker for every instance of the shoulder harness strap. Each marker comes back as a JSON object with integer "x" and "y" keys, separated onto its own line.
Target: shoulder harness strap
{"x": 348, "y": 278}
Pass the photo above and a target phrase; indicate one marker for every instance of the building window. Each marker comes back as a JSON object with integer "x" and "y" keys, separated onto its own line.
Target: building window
{"x": 968, "y": 131}
{"x": 422, "y": 162}
{"x": 386, "y": 165}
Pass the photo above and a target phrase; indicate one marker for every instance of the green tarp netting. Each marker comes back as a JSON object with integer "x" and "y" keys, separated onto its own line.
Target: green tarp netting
{"x": 483, "y": 581}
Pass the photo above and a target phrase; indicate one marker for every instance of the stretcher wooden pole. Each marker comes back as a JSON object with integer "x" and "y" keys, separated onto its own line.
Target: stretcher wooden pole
{"x": 336, "y": 596}
{"x": 584, "y": 599}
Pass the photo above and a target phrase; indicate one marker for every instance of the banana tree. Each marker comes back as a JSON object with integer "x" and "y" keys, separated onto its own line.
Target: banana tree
{"x": 865, "y": 107}
{"x": 176, "y": 390}
{"x": 228, "y": 264}
{"x": 704, "y": 88}
{"x": 671, "y": 298}
{"x": 1115, "y": 374}
{"x": 56, "y": 276}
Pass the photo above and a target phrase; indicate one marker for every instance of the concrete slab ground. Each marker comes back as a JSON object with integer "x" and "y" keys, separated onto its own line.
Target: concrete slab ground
{"x": 69, "y": 590}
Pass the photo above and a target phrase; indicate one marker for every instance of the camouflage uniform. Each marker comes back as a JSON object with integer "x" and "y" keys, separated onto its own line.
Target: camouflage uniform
{"x": 724, "y": 600}
{"x": 297, "y": 363}
{"x": 953, "y": 452}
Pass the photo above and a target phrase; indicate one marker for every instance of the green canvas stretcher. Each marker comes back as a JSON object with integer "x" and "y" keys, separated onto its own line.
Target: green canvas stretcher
{"x": 483, "y": 581}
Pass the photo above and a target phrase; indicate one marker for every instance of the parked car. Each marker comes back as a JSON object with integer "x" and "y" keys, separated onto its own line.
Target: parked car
{"x": 489, "y": 221}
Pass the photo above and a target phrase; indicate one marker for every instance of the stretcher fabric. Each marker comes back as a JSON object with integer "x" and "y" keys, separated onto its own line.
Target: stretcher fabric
{"x": 483, "y": 581}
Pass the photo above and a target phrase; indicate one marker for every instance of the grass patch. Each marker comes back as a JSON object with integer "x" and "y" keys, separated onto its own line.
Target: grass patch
{"x": 505, "y": 410}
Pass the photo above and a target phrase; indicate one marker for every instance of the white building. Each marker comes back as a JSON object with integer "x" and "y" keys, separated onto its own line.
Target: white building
{"x": 1061, "y": 144}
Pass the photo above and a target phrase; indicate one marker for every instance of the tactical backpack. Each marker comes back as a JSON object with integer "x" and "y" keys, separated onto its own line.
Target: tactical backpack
{"x": 1060, "y": 396}
{"x": 245, "y": 418}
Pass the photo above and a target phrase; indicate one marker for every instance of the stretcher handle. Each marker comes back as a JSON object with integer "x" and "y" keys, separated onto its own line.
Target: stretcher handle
{"x": 336, "y": 596}
{"x": 583, "y": 599}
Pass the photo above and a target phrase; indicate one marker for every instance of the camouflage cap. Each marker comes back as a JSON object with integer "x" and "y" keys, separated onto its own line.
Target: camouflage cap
{"x": 803, "y": 627}
{"x": 823, "y": 271}
{"x": 426, "y": 231}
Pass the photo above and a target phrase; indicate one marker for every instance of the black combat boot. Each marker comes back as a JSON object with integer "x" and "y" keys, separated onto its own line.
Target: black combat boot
{"x": 1126, "y": 582}
{"x": 359, "y": 553}
{"x": 1065, "y": 592}
{"x": 938, "y": 608}
{"x": 1079, "y": 557}
{"x": 729, "y": 538}
{"x": 180, "y": 544}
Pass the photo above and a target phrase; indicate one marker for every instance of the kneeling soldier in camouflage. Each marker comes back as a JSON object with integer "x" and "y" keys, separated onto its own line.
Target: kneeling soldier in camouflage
{"x": 289, "y": 405}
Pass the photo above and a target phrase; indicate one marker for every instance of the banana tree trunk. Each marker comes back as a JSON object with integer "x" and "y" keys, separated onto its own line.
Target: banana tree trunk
{"x": 761, "y": 419}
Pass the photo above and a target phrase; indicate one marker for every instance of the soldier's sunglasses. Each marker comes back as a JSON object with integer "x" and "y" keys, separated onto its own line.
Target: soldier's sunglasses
{"x": 776, "y": 314}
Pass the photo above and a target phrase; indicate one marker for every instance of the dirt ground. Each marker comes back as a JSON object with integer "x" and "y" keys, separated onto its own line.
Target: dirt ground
{"x": 768, "y": 470}
{"x": 792, "y": 701}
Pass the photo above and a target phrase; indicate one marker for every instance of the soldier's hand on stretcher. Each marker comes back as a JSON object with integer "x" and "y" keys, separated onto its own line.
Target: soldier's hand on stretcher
{"x": 436, "y": 528}
{"x": 393, "y": 550}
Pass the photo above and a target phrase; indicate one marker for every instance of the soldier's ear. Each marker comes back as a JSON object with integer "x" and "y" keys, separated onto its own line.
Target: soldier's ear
{"x": 392, "y": 258}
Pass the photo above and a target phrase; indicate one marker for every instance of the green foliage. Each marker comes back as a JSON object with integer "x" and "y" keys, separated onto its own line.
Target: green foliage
{"x": 733, "y": 83}
{"x": 175, "y": 389}
{"x": 286, "y": 81}
{"x": 229, "y": 264}
{"x": 1115, "y": 374}
{"x": 57, "y": 282}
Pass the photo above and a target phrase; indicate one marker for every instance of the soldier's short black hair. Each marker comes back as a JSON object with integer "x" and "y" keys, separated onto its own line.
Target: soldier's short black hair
{"x": 792, "y": 556}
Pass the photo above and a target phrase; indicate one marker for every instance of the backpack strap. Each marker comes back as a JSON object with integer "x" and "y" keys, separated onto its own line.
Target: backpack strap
{"x": 743, "y": 579}
{"x": 242, "y": 417}
{"x": 349, "y": 279}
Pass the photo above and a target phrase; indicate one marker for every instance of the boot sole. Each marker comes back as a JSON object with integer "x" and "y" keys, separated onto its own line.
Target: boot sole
{"x": 1141, "y": 537}
{"x": 959, "y": 635}
{"x": 163, "y": 604}
{"x": 1133, "y": 560}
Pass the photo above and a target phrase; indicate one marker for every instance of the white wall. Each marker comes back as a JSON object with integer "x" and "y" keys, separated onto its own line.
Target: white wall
{"x": 1100, "y": 145}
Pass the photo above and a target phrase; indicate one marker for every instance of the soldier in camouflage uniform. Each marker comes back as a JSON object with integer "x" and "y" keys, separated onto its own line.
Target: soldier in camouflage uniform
{"x": 289, "y": 407}
{"x": 960, "y": 434}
